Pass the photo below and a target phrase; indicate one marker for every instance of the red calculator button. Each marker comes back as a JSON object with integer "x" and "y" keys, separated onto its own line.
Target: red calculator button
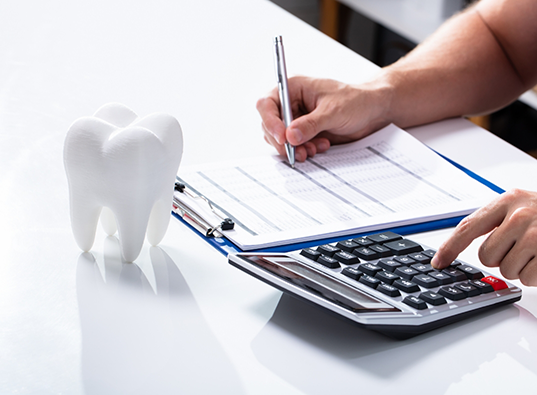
{"x": 496, "y": 283}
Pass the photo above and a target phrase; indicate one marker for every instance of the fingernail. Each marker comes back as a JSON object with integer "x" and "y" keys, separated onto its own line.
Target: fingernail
{"x": 434, "y": 262}
{"x": 280, "y": 138}
{"x": 297, "y": 135}
{"x": 323, "y": 146}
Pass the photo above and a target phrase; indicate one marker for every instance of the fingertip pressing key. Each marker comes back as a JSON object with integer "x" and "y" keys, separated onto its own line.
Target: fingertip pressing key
{"x": 434, "y": 262}
{"x": 437, "y": 263}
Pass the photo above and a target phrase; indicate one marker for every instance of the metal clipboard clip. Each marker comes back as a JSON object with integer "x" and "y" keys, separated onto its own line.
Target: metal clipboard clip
{"x": 194, "y": 219}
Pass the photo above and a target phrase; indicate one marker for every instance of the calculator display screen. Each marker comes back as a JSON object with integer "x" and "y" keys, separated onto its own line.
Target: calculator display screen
{"x": 317, "y": 282}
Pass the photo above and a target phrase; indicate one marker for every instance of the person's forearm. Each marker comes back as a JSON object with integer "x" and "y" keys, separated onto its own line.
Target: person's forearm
{"x": 463, "y": 69}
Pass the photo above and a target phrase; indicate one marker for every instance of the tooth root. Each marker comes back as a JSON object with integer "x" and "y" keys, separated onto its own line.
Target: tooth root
{"x": 108, "y": 221}
{"x": 159, "y": 220}
{"x": 131, "y": 230}
{"x": 84, "y": 219}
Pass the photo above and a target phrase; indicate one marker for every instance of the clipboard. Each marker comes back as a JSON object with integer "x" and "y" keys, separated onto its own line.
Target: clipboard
{"x": 214, "y": 233}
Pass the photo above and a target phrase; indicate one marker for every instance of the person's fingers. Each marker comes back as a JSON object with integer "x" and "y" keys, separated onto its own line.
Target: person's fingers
{"x": 510, "y": 235}
{"x": 512, "y": 245}
{"x": 301, "y": 153}
{"x": 324, "y": 112}
{"x": 306, "y": 127}
{"x": 269, "y": 109}
{"x": 477, "y": 224}
{"x": 270, "y": 140}
{"x": 321, "y": 144}
{"x": 514, "y": 261}
{"x": 528, "y": 275}
{"x": 311, "y": 149}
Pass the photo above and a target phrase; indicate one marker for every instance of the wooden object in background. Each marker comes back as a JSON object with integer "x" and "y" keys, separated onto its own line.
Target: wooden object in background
{"x": 329, "y": 18}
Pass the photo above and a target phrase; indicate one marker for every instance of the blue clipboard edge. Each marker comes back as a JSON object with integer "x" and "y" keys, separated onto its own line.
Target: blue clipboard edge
{"x": 225, "y": 247}
{"x": 475, "y": 176}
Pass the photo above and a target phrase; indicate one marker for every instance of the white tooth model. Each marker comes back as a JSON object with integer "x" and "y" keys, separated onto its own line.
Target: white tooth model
{"x": 122, "y": 168}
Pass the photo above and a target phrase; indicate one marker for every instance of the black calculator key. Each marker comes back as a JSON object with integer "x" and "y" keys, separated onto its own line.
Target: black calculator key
{"x": 362, "y": 241}
{"x": 346, "y": 258}
{"x": 328, "y": 261}
{"x": 366, "y": 253}
{"x": 452, "y": 293}
{"x": 352, "y": 272}
{"x": 468, "y": 289}
{"x": 406, "y": 286}
{"x": 389, "y": 264}
{"x": 328, "y": 249}
{"x": 387, "y": 277}
{"x": 414, "y": 301}
{"x": 406, "y": 272}
{"x": 369, "y": 281}
{"x": 422, "y": 268}
{"x": 456, "y": 274}
{"x": 443, "y": 278}
{"x": 403, "y": 246}
{"x": 433, "y": 298}
{"x": 388, "y": 289}
{"x": 384, "y": 237}
{"x": 482, "y": 286}
{"x": 471, "y": 272}
{"x": 425, "y": 281}
{"x": 455, "y": 263}
{"x": 420, "y": 257}
{"x": 429, "y": 253}
{"x": 369, "y": 268}
{"x": 404, "y": 260}
{"x": 383, "y": 251}
{"x": 346, "y": 245}
{"x": 310, "y": 253}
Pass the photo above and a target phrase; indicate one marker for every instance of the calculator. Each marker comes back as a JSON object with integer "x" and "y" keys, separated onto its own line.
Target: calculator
{"x": 381, "y": 281}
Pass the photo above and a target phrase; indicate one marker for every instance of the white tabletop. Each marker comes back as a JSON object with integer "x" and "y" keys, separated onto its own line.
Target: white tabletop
{"x": 181, "y": 320}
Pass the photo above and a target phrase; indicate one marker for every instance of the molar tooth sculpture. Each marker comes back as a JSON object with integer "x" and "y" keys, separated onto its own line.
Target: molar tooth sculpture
{"x": 123, "y": 169}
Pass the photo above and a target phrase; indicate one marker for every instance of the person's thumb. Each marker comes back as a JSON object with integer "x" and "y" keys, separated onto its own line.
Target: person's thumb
{"x": 306, "y": 127}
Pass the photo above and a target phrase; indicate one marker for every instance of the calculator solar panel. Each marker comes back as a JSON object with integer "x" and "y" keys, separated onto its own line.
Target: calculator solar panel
{"x": 382, "y": 281}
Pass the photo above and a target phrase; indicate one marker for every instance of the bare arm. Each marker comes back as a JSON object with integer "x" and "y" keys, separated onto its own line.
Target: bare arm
{"x": 477, "y": 62}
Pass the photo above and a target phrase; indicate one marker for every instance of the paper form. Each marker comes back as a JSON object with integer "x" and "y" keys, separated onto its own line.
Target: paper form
{"x": 384, "y": 180}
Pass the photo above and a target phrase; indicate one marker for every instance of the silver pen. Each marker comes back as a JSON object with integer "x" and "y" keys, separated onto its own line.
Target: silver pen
{"x": 281, "y": 75}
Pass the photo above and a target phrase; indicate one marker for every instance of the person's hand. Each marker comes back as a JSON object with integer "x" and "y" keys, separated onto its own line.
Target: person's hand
{"x": 512, "y": 244}
{"x": 325, "y": 112}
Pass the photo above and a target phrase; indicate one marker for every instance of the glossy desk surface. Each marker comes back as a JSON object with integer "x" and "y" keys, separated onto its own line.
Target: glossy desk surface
{"x": 181, "y": 320}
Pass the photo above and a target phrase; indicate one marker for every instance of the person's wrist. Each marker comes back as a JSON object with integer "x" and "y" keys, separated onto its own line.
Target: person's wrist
{"x": 383, "y": 97}
{"x": 377, "y": 96}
